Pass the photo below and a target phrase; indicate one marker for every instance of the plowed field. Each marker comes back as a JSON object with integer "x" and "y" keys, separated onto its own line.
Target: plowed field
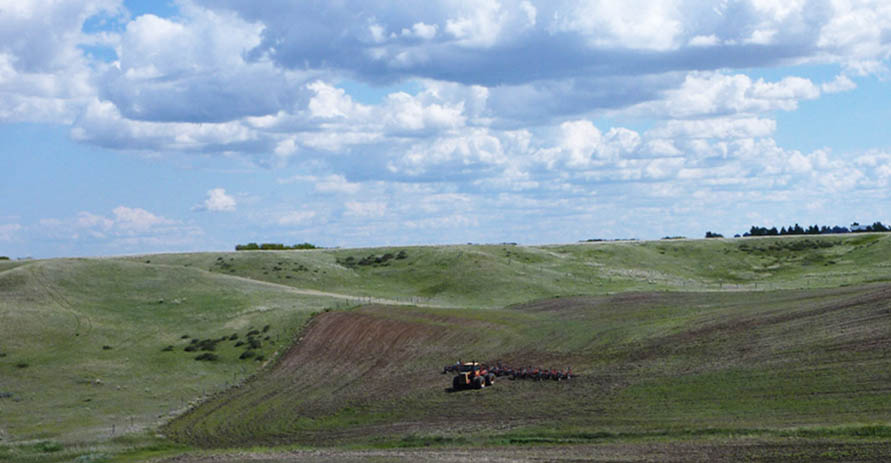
{"x": 791, "y": 364}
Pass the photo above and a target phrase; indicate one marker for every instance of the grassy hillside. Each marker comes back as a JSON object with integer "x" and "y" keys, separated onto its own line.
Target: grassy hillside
{"x": 670, "y": 364}
{"x": 82, "y": 343}
{"x": 495, "y": 276}
{"x": 673, "y": 338}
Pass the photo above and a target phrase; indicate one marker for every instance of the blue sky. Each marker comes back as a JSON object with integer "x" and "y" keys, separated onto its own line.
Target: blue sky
{"x": 137, "y": 127}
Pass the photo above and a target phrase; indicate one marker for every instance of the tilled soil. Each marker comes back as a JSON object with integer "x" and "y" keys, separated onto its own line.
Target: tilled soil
{"x": 372, "y": 375}
{"x": 749, "y": 451}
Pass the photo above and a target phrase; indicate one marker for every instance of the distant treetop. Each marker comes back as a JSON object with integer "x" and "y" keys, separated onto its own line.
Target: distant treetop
{"x": 273, "y": 247}
{"x": 815, "y": 230}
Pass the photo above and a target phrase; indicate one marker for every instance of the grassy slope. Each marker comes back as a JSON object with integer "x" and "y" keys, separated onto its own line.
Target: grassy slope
{"x": 495, "y": 276}
{"x": 57, "y": 317}
{"x": 675, "y": 363}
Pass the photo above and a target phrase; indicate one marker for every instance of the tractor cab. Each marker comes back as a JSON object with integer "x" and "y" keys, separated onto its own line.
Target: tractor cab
{"x": 472, "y": 375}
{"x": 469, "y": 367}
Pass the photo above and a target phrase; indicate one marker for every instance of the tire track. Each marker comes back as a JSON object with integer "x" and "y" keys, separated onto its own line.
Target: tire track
{"x": 315, "y": 292}
{"x": 61, "y": 300}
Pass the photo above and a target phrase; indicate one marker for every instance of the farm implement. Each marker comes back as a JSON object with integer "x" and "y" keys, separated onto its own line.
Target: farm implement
{"x": 472, "y": 375}
{"x": 476, "y": 375}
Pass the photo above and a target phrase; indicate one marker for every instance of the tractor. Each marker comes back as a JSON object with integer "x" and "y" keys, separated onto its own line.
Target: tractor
{"x": 472, "y": 375}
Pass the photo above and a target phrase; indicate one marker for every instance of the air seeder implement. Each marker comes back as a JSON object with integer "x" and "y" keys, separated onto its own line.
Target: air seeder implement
{"x": 476, "y": 375}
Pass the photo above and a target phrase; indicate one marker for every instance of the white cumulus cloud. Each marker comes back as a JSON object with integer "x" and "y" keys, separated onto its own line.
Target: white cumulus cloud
{"x": 218, "y": 201}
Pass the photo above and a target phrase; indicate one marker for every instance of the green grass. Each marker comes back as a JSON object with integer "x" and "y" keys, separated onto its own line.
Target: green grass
{"x": 498, "y": 275}
{"x": 678, "y": 337}
{"x": 93, "y": 334}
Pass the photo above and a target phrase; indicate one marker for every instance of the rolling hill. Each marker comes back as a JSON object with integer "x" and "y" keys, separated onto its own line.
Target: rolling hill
{"x": 674, "y": 341}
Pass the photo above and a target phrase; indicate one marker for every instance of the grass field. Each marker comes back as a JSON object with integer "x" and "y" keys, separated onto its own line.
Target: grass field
{"x": 753, "y": 347}
{"x": 498, "y": 275}
{"x": 83, "y": 343}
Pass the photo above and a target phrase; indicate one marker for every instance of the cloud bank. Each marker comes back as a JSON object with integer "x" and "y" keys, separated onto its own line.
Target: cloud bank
{"x": 510, "y": 102}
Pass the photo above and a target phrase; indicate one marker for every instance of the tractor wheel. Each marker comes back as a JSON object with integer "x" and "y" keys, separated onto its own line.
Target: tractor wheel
{"x": 490, "y": 379}
{"x": 478, "y": 383}
{"x": 457, "y": 383}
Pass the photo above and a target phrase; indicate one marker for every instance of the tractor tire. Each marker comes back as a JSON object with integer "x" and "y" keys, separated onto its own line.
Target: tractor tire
{"x": 478, "y": 382}
{"x": 457, "y": 383}
{"x": 490, "y": 379}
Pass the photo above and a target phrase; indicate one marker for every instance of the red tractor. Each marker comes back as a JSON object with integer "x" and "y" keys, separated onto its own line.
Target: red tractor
{"x": 472, "y": 375}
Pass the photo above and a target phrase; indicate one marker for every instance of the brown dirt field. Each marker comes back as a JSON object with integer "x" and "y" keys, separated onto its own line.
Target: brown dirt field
{"x": 359, "y": 375}
{"x": 352, "y": 358}
{"x": 692, "y": 452}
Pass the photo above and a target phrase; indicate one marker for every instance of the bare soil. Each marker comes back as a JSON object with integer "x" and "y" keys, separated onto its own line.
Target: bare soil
{"x": 372, "y": 375}
{"x": 750, "y": 451}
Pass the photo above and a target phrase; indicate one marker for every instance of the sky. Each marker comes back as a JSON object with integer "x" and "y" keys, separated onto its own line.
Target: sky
{"x": 131, "y": 127}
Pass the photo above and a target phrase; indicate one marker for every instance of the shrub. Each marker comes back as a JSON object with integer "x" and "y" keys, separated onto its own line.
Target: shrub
{"x": 48, "y": 446}
{"x": 266, "y": 328}
{"x": 259, "y": 358}
{"x": 253, "y": 332}
{"x": 106, "y": 347}
{"x": 233, "y": 337}
{"x": 239, "y": 343}
{"x": 254, "y": 343}
{"x": 167, "y": 349}
{"x": 4, "y": 258}
{"x": 21, "y": 365}
{"x": 208, "y": 344}
{"x": 207, "y": 356}
{"x": 247, "y": 354}
{"x": 272, "y": 247}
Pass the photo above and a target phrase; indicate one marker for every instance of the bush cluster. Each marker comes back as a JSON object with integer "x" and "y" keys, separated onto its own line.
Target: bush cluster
{"x": 252, "y": 341}
{"x": 272, "y": 247}
{"x": 373, "y": 260}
